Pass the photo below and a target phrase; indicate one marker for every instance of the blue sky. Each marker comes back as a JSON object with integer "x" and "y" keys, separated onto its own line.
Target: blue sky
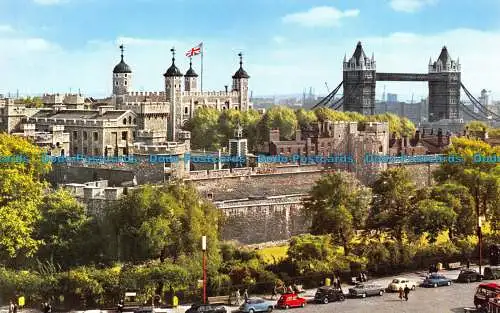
{"x": 289, "y": 45}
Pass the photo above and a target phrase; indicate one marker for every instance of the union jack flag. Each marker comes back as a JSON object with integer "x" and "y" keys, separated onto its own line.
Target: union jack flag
{"x": 195, "y": 51}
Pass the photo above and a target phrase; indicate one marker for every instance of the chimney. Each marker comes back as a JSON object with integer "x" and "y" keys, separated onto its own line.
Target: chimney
{"x": 298, "y": 135}
{"x": 104, "y": 108}
{"x": 226, "y": 87}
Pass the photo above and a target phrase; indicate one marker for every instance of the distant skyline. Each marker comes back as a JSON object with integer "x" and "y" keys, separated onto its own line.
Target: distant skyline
{"x": 288, "y": 45}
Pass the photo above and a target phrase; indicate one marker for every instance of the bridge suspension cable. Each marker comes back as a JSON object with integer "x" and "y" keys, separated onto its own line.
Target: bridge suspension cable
{"x": 470, "y": 112}
{"x": 479, "y": 105}
{"x": 337, "y": 104}
{"x": 329, "y": 97}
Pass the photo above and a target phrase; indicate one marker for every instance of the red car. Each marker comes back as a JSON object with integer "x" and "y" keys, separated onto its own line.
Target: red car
{"x": 290, "y": 300}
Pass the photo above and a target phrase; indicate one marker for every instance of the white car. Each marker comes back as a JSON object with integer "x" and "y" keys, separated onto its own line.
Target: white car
{"x": 401, "y": 283}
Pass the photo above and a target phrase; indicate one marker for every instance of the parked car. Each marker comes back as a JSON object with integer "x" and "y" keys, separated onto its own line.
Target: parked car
{"x": 491, "y": 272}
{"x": 484, "y": 293}
{"x": 207, "y": 308}
{"x": 436, "y": 280}
{"x": 256, "y": 305}
{"x": 468, "y": 275}
{"x": 328, "y": 294}
{"x": 401, "y": 283}
{"x": 364, "y": 290}
{"x": 290, "y": 300}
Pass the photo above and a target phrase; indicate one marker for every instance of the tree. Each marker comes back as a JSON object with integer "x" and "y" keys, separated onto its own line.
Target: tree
{"x": 62, "y": 229}
{"x": 163, "y": 222}
{"x": 458, "y": 198}
{"x": 338, "y": 205}
{"x": 324, "y": 114}
{"x": 392, "y": 206}
{"x": 432, "y": 217}
{"x": 476, "y": 126}
{"x": 278, "y": 117}
{"x": 36, "y": 102}
{"x": 476, "y": 172}
{"x": 204, "y": 128}
{"x": 305, "y": 118}
{"x": 21, "y": 191}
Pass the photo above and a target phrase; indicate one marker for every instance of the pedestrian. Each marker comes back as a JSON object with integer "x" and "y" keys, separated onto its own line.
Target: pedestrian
{"x": 295, "y": 288}
{"x": 238, "y": 297}
{"x": 289, "y": 289}
{"x": 11, "y": 307}
{"x": 275, "y": 291}
{"x": 15, "y": 308}
{"x": 245, "y": 295}
{"x": 401, "y": 292}
{"x": 339, "y": 285}
{"x": 407, "y": 291}
{"x": 468, "y": 263}
{"x": 120, "y": 306}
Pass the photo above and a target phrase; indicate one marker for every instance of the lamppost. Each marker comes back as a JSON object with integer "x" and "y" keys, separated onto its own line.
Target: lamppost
{"x": 204, "y": 249}
{"x": 480, "y": 239}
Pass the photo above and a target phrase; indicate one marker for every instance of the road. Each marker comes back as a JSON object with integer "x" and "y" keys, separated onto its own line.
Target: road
{"x": 423, "y": 300}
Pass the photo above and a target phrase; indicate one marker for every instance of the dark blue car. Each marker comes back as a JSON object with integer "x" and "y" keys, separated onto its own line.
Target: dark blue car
{"x": 436, "y": 280}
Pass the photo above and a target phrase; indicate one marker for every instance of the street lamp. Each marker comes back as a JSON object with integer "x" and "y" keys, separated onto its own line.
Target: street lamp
{"x": 480, "y": 239}
{"x": 204, "y": 249}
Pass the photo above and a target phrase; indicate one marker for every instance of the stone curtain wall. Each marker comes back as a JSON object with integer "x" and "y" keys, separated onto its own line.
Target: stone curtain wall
{"x": 420, "y": 173}
{"x": 257, "y": 221}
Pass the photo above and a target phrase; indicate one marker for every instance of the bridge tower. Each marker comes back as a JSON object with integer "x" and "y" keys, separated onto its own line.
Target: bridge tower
{"x": 359, "y": 82}
{"x": 444, "y": 87}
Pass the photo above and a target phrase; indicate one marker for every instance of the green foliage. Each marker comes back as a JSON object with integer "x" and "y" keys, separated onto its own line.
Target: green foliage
{"x": 164, "y": 222}
{"x": 20, "y": 196}
{"x": 393, "y": 203}
{"x": 476, "y": 126}
{"x": 204, "y": 129}
{"x": 305, "y": 118}
{"x": 432, "y": 217}
{"x": 61, "y": 229}
{"x": 278, "y": 117}
{"x": 35, "y": 102}
{"x": 400, "y": 126}
{"x": 338, "y": 205}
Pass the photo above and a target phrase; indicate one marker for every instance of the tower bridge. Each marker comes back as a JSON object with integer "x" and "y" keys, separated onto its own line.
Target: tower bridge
{"x": 443, "y": 76}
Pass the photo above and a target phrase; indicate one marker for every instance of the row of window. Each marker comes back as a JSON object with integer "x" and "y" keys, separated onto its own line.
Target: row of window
{"x": 96, "y": 135}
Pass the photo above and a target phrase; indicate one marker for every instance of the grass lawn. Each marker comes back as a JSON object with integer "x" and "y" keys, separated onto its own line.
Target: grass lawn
{"x": 278, "y": 252}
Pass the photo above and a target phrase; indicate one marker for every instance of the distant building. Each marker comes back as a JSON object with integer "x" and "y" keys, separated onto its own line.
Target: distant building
{"x": 392, "y": 98}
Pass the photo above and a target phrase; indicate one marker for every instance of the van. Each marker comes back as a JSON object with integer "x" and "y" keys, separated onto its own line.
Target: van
{"x": 492, "y": 272}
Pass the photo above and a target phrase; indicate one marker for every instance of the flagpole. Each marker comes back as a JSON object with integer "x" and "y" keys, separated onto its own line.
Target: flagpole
{"x": 202, "y": 66}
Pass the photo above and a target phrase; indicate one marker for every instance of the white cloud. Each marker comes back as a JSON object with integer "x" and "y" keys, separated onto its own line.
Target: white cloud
{"x": 410, "y": 6}
{"x": 6, "y": 29}
{"x": 49, "y": 2}
{"x": 36, "y": 65}
{"x": 320, "y": 17}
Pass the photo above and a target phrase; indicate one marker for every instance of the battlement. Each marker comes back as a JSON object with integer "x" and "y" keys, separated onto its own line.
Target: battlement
{"x": 352, "y": 66}
{"x": 174, "y": 148}
{"x": 209, "y": 93}
{"x": 146, "y": 107}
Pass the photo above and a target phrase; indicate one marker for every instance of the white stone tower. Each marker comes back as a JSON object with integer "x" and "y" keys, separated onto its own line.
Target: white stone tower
{"x": 240, "y": 84}
{"x": 173, "y": 87}
{"x": 122, "y": 77}
{"x": 191, "y": 78}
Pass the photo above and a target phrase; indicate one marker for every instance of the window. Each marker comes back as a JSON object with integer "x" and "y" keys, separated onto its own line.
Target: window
{"x": 96, "y": 151}
{"x": 125, "y": 83}
{"x": 96, "y": 135}
{"x": 124, "y": 135}
{"x": 75, "y": 134}
{"x": 125, "y": 76}
{"x": 130, "y": 120}
{"x": 116, "y": 83}
{"x": 124, "y": 121}
{"x": 186, "y": 110}
{"x": 84, "y": 135}
{"x": 135, "y": 121}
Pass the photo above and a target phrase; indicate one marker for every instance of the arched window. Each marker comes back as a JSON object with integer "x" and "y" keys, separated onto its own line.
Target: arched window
{"x": 186, "y": 110}
{"x": 124, "y": 121}
{"x": 130, "y": 120}
{"x": 135, "y": 121}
